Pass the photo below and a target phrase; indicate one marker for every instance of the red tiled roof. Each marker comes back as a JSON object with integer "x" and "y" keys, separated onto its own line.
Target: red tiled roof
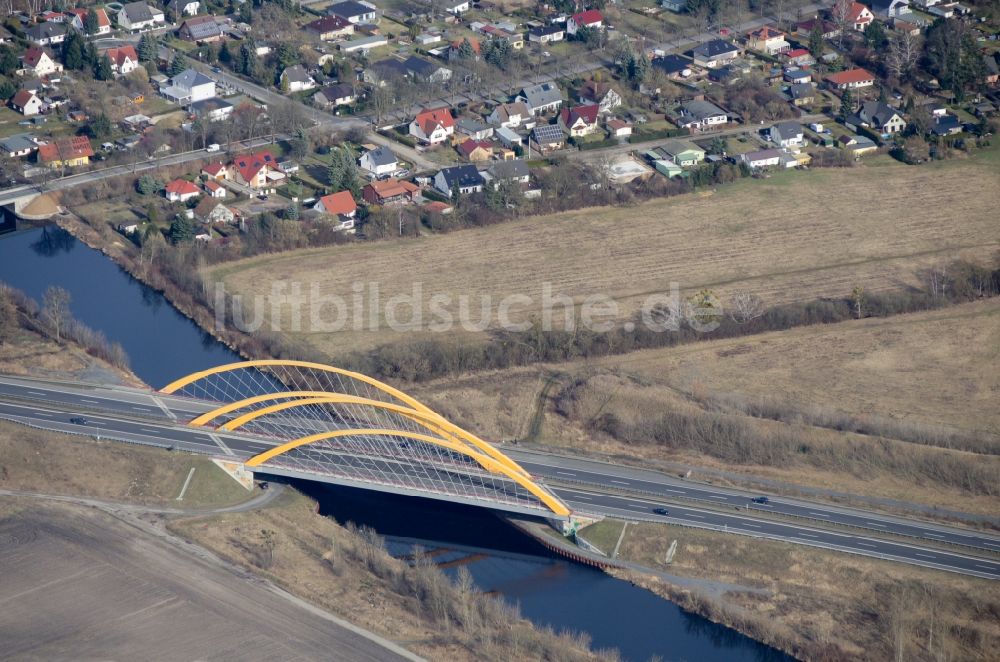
{"x": 22, "y": 98}
{"x": 118, "y": 55}
{"x": 588, "y": 17}
{"x": 65, "y": 149}
{"x": 475, "y": 44}
{"x": 102, "y": 16}
{"x": 588, "y": 113}
{"x": 428, "y": 120}
{"x": 33, "y": 55}
{"x": 213, "y": 186}
{"x": 856, "y": 10}
{"x": 339, "y": 203}
{"x": 181, "y": 187}
{"x": 390, "y": 188}
{"x": 766, "y": 32}
{"x": 214, "y": 169}
{"x": 469, "y": 146}
{"x": 328, "y": 24}
{"x": 250, "y": 164}
{"x": 850, "y": 76}
{"x": 796, "y": 52}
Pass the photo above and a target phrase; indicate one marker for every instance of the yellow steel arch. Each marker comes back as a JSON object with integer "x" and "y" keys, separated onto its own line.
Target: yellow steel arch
{"x": 322, "y": 397}
{"x": 229, "y": 367}
{"x": 486, "y": 462}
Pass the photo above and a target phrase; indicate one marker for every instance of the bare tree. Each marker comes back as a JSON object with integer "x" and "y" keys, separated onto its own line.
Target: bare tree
{"x": 744, "y": 306}
{"x": 840, "y": 14}
{"x": 55, "y": 309}
{"x": 902, "y": 55}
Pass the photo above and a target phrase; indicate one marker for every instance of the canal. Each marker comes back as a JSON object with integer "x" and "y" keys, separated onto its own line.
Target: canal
{"x": 162, "y": 344}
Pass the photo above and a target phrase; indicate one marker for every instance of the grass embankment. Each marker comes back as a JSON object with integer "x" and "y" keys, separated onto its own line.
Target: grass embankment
{"x": 919, "y": 386}
{"x": 53, "y": 463}
{"x": 795, "y": 237}
{"x": 823, "y": 605}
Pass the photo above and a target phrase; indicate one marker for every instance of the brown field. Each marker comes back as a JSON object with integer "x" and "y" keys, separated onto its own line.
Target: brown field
{"x": 796, "y": 236}
{"x": 934, "y": 368}
{"x": 825, "y": 605}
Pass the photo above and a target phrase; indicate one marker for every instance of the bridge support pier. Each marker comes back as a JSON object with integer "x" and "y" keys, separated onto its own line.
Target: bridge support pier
{"x": 237, "y": 471}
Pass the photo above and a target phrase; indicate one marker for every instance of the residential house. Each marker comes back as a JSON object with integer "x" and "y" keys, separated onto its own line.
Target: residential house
{"x": 579, "y": 120}
{"x": 433, "y": 126}
{"x": 124, "y": 59}
{"x": 475, "y": 150}
{"x": 456, "y": 7}
{"x": 425, "y": 71}
{"x": 379, "y": 161}
{"x": 508, "y": 137}
{"x": 181, "y": 8}
{"x": 946, "y": 125}
{"x": 855, "y": 13}
{"x": 428, "y": 38}
{"x": 714, "y": 53}
{"x": 202, "y": 30}
{"x": 215, "y": 189}
{"x": 603, "y": 94}
{"x": 799, "y": 57}
{"x": 27, "y": 103}
{"x": 786, "y": 134}
{"x": 139, "y": 16}
{"x": 45, "y": 34}
{"x": 390, "y": 192}
{"x": 330, "y": 28}
{"x": 882, "y": 118}
{"x": 676, "y": 6}
{"x": 667, "y": 168}
{"x": 18, "y": 145}
{"x": 857, "y": 145}
{"x": 510, "y": 115}
{"x": 801, "y": 94}
{"x": 210, "y": 210}
{"x": 829, "y": 29}
{"x": 69, "y": 152}
{"x": 465, "y": 178}
{"x": 216, "y": 171}
{"x": 850, "y": 79}
{"x": 675, "y": 67}
{"x": 466, "y": 128}
{"x": 991, "y": 69}
{"x": 886, "y": 9}
{"x": 181, "y": 190}
{"x": 363, "y": 44}
{"x": 37, "y": 62}
{"x": 545, "y": 34}
{"x": 767, "y": 40}
{"x": 188, "y": 87}
{"x": 682, "y": 152}
{"x": 725, "y": 75}
{"x": 592, "y": 19}
{"x": 212, "y": 110}
{"x": 296, "y": 79}
{"x": 382, "y": 71}
{"x": 513, "y": 38}
{"x": 798, "y": 76}
{"x": 255, "y": 170}
{"x": 514, "y": 170}
{"x": 357, "y": 13}
{"x": 331, "y": 96}
{"x": 618, "y": 128}
{"x": 78, "y": 19}
{"x": 337, "y": 204}
{"x": 549, "y": 137}
{"x": 699, "y": 114}
{"x": 541, "y": 98}
{"x": 764, "y": 158}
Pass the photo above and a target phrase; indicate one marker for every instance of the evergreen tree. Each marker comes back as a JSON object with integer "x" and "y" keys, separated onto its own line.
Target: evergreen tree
{"x": 8, "y": 61}
{"x": 816, "y": 40}
{"x": 846, "y": 104}
{"x": 246, "y": 13}
{"x": 90, "y": 25}
{"x": 100, "y": 126}
{"x": 636, "y": 67}
{"x": 225, "y": 55}
{"x": 287, "y": 55}
{"x": 181, "y": 229}
{"x": 7, "y": 89}
{"x": 875, "y": 35}
{"x": 176, "y": 66}
{"x": 465, "y": 50}
{"x": 103, "y": 70}
{"x": 147, "y": 185}
{"x": 73, "y": 51}
{"x": 148, "y": 48}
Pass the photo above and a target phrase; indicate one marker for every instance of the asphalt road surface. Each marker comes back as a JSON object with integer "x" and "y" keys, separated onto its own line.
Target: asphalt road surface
{"x": 154, "y": 419}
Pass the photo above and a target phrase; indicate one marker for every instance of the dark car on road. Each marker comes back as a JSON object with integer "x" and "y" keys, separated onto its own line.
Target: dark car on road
{"x": 661, "y": 511}
{"x": 78, "y": 420}
{"x": 760, "y": 499}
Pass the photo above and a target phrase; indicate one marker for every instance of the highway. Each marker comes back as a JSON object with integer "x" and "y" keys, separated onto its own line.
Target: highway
{"x": 587, "y": 486}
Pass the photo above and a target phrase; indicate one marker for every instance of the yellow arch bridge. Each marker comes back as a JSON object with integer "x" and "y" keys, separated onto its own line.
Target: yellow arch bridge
{"x": 344, "y": 427}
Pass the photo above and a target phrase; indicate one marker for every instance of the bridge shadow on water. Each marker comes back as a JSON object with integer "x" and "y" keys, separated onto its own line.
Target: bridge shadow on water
{"x": 549, "y": 589}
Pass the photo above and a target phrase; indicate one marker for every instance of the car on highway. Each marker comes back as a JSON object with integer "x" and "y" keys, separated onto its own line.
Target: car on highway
{"x": 661, "y": 511}
{"x": 760, "y": 499}
{"x": 78, "y": 420}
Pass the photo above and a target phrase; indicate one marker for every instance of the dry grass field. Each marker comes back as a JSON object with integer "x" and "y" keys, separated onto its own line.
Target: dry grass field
{"x": 796, "y": 236}
{"x": 825, "y": 605}
{"x": 933, "y": 368}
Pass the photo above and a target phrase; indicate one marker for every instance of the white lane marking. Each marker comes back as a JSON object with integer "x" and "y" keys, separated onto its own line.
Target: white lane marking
{"x": 141, "y": 408}
{"x": 620, "y": 482}
{"x": 716, "y": 496}
{"x": 580, "y": 496}
{"x": 979, "y": 565}
{"x": 694, "y": 515}
{"x": 94, "y": 402}
{"x": 808, "y": 535}
{"x": 566, "y": 473}
{"x": 187, "y": 481}
{"x": 42, "y": 413}
{"x": 221, "y": 444}
{"x": 934, "y": 535}
{"x": 674, "y": 491}
{"x": 148, "y": 430}
{"x": 756, "y": 526}
{"x": 162, "y": 406}
{"x": 881, "y": 526}
{"x": 926, "y": 556}
{"x": 989, "y": 544}
{"x": 35, "y": 393}
{"x": 819, "y": 514}
{"x": 867, "y": 544}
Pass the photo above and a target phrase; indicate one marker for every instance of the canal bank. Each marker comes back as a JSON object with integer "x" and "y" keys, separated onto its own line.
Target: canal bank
{"x": 551, "y": 591}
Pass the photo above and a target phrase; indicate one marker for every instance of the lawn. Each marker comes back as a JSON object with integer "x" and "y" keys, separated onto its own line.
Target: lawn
{"x": 794, "y": 237}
